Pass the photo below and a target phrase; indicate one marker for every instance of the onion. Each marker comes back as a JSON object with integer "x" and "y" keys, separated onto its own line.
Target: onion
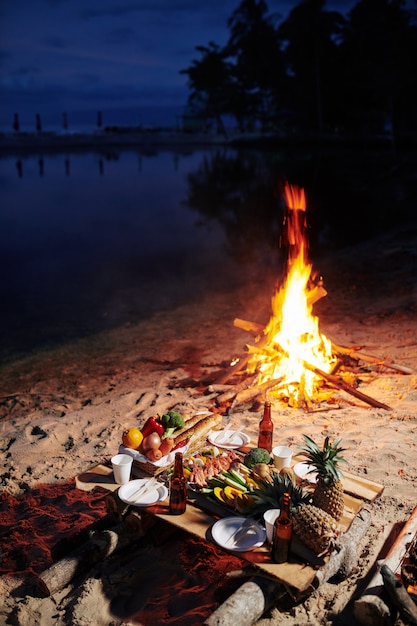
{"x": 151, "y": 442}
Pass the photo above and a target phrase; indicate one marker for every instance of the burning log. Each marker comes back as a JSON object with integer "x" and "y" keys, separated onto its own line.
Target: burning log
{"x": 232, "y": 370}
{"x": 247, "y": 395}
{"x": 369, "y": 358}
{"x": 339, "y": 383}
{"x": 233, "y": 390}
{"x": 258, "y": 329}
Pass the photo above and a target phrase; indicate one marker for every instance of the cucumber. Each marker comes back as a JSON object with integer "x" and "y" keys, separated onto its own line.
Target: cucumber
{"x": 234, "y": 484}
{"x": 235, "y": 475}
{"x": 215, "y": 482}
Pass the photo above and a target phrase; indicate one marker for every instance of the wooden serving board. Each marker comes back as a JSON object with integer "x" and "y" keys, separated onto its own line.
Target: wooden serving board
{"x": 355, "y": 485}
{"x": 102, "y": 476}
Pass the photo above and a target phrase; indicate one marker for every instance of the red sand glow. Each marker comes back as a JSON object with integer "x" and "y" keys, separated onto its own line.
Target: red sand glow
{"x": 31, "y": 524}
{"x": 182, "y": 580}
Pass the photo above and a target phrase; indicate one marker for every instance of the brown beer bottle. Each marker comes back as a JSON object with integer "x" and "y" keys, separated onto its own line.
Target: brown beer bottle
{"x": 266, "y": 429}
{"x": 178, "y": 488}
{"x": 282, "y": 534}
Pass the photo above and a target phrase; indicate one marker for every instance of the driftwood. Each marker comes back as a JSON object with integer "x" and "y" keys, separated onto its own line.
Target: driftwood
{"x": 67, "y": 544}
{"x": 371, "y": 608}
{"x": 253, "y": 598}
{"x": 344, "y": 558}
{"x": 247, "y": 604}
{"x": 82, "y": 559}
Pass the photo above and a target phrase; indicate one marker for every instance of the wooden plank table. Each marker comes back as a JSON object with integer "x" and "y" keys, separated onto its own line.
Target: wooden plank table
{"x": 199, "y": 521}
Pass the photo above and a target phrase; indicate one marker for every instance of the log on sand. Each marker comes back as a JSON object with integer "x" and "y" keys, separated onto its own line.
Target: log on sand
{"x": 399, "y": 596}
{"x": 82, "y": 559}
{"x": 372, "y": 608}
{"x": 253, "y": 598}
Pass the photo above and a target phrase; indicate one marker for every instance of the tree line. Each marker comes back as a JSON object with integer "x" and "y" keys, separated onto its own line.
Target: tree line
{"x": 315, "y": 71}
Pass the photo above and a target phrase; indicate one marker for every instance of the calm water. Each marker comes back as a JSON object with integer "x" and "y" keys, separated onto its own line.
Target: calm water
{"x": 93, "y": 240}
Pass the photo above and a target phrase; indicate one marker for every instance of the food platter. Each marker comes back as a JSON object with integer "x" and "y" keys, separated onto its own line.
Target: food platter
{"x": 224, "y": 531}
{"x": 228, "y": 439}
{"x": 127, "y": 493}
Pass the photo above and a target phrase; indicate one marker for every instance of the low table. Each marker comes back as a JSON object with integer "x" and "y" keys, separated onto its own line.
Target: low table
{"x": 201, "y": 514}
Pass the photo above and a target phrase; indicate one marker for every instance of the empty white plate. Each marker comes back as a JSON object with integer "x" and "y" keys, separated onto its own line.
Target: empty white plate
{"x": 229, "y": 439}
{"x": 127, "y": 493}
{"x": 302, "y": 470}
{"x": 223, "y": 530}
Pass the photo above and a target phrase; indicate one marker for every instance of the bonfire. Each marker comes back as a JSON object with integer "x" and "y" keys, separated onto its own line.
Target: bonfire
{"x": 291, "y": 340}
{"x": 290, "y": 359}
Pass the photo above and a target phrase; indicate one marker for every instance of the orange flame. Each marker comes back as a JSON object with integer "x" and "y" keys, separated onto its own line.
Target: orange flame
{"x": 292, "y": 338}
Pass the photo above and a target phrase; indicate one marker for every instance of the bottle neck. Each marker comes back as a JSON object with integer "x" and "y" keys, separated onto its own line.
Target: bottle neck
{"x": 178, "y": 470}
{"x": 286, "y": 506}
{"x": 266, "y": 417}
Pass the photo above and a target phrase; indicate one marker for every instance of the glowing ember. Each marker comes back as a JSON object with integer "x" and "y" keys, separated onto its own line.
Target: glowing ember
{"x": 292, "y": 341}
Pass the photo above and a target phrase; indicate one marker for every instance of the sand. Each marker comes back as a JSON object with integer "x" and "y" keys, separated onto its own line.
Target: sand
{"x": 63, "y": 411}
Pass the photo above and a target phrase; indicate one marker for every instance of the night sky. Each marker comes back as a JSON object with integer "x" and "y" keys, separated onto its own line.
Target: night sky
{"x": 90, "y": 55}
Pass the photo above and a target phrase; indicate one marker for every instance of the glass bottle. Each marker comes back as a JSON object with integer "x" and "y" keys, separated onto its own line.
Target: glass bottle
{"x": 266, "y": 429}
{"x": 282, "y": 533}
{"x": 178, "y": 487}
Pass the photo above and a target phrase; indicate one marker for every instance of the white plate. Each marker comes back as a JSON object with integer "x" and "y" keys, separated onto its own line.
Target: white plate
{"x": 223, "y": 530}
{"x": 127, "y": 491}
{"x": 232, "y": 439}
{"x": 302, "y": 471}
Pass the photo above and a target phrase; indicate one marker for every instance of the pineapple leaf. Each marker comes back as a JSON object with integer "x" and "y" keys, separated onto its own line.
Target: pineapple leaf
{"x": 325, "y": 460}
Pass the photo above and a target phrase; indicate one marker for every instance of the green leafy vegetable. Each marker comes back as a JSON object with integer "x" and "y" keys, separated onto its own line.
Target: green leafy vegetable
{"x": 171, "y": 421}
{"x": 257, "y": 455}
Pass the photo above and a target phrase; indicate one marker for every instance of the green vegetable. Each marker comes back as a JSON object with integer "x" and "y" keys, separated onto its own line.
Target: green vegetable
{"x": 257, "y": 455}
{"x": 171, "y": 421}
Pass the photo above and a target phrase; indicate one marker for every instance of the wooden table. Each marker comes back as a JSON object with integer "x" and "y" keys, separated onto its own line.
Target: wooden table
{"x": 198, "y": 522}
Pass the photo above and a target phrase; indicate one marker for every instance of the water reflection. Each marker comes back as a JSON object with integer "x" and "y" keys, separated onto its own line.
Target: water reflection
{"x": 93, "y": 240}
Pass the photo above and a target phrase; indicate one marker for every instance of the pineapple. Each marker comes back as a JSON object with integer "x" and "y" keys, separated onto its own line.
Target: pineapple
{"x": 328, "y": 493}
{"x": 316, "y": 528}
{"x": 269, "y": 492}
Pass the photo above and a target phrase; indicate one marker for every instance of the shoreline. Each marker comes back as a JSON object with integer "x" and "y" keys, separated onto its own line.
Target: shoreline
{"x": 130, "y": 138}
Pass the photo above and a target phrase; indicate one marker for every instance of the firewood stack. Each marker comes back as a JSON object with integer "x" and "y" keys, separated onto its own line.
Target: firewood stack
{"x": 233, "y": 386}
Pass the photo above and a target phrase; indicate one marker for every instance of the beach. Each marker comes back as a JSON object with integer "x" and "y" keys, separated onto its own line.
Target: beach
{"x": 64, "y": 410}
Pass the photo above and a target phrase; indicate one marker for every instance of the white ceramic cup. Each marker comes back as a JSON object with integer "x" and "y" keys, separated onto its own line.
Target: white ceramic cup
{"x": 122, "y": 466}
{"x": 282, "y": 456}
{"x": 269, "y": 518}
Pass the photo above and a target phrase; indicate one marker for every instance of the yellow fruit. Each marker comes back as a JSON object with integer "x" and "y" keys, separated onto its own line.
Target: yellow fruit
{"x": 230, "y": 493}
{"x": 132, "y": 438}
{"x": 218, "y": 492}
